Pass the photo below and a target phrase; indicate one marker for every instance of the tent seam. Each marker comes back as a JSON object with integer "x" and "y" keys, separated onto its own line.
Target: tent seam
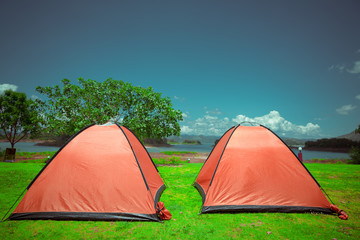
{"x": 132, "y": 149}
{"x": 217, "y": 165}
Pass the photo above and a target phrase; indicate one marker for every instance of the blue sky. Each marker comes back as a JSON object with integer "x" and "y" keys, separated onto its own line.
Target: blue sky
{"x": 293, "y": 66}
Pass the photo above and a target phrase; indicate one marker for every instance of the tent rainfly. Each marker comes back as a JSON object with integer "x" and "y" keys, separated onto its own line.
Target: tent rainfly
{"x": 102, "y": 173}
{"x": 252, "y": 170}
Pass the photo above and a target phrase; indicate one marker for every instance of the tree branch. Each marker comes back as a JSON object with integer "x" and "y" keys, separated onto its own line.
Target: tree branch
{"x": 7, "y": 135}
{"x": 16, "y": 141}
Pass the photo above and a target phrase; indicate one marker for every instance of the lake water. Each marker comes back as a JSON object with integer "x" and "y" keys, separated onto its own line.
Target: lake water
{"x": 28, "y": 147}
{"x": 31, "y": 147}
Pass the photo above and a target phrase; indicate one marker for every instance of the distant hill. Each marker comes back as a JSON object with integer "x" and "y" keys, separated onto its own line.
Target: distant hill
{"x": 351, "y": 136}
{"x": 294, "y": 141}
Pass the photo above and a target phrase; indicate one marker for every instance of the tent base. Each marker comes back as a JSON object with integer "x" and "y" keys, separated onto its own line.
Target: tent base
{"x": 263, "y": 208}
{"x": 84, "y": 216}
{"x": 200, "y": 190}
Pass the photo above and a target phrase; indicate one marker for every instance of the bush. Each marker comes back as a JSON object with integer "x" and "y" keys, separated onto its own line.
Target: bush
{"x": 175, "y": 160}
{"x": 355, "y": 155}
{"x": 2, "y": 152}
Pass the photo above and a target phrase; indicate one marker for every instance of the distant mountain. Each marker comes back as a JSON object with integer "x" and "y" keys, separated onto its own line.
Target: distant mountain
{"x": 294, "y": 141}
{"x": 351, "y": 136}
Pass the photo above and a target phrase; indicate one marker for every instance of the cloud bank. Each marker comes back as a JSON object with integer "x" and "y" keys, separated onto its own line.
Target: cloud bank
{"x": 7, "y": 86}
{"x": 214, "y": 125}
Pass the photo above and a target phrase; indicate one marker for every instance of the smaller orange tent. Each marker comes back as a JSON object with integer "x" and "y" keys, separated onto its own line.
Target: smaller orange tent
{"x": 101, "y": 173}
{"x": 253, "y": 170}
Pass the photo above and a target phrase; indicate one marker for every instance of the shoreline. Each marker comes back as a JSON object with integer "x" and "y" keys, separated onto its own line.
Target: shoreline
{"x": 339, "y": 150}
{"x": 335, "y": 150}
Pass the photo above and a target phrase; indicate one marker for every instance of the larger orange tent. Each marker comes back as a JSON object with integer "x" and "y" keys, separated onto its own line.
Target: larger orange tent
{"x": 102, "y": 173}
{"x": 253, "y": 170}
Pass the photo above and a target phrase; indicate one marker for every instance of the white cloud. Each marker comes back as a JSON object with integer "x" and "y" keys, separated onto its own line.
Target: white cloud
{"x": 358, "y": 96}
{"x": 6, "y": 86}
{"x": 186, "y": 130}
{"x": 338, "y": 67}
{"x": 215, "y": 111}
{"x": 184, "y": 115}
{"x": 278, "y": 124}
{"x": 355, "y": 69}
{"x": 215, "y": 125}
{"x": 344, "y": 110}
{"x": 209, "y": 125}
{"x": 179, "y": 98}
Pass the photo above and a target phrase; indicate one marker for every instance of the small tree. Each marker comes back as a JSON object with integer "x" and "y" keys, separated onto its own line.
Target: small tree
{"x": 69, "y": 108}
{"x": 355, "y": 151}
{"x": 18, "y": 116}
{"x": 355, "y": 155}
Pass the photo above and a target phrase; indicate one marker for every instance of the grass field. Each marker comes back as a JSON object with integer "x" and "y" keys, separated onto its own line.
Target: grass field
{"x": 341, "y": 182}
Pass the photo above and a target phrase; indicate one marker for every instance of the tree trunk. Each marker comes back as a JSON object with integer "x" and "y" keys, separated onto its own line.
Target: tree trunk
{"x": 10, "y": 154}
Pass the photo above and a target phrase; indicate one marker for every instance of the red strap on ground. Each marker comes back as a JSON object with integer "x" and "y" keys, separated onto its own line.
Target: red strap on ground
{"x": 162, "y": 212}
{"x": 341, "y": 213}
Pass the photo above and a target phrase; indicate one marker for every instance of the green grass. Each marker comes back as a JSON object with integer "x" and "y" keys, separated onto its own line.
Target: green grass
{"x": 176, "y": 152}
{"x": 341, "y": 182}
{"x": 334, "y": 160}
{"x": 173, "y": 160}
{"x": 42, "y": 160}
{"x": 33, "y": 157}
{"x": 31, "y": 154}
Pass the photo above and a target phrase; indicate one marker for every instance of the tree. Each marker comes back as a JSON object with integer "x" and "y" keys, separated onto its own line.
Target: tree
{"x": 19, "y": 116}
{"x": 72, "y": 107}
{"x": 355, "y": 151}
{"x": 355, "y": 155}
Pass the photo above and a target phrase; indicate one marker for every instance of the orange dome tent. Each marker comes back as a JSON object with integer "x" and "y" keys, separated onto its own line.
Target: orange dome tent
{"x": 102, "y": 173}
{"x": 252, "y": 170}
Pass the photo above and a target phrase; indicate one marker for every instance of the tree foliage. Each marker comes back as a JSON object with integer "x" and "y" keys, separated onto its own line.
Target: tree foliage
{"x": 71, "y": 107}
{"x": 19, "y": 116}
{"x": 355, "y": 155}
{"x": 355, "y": 151}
